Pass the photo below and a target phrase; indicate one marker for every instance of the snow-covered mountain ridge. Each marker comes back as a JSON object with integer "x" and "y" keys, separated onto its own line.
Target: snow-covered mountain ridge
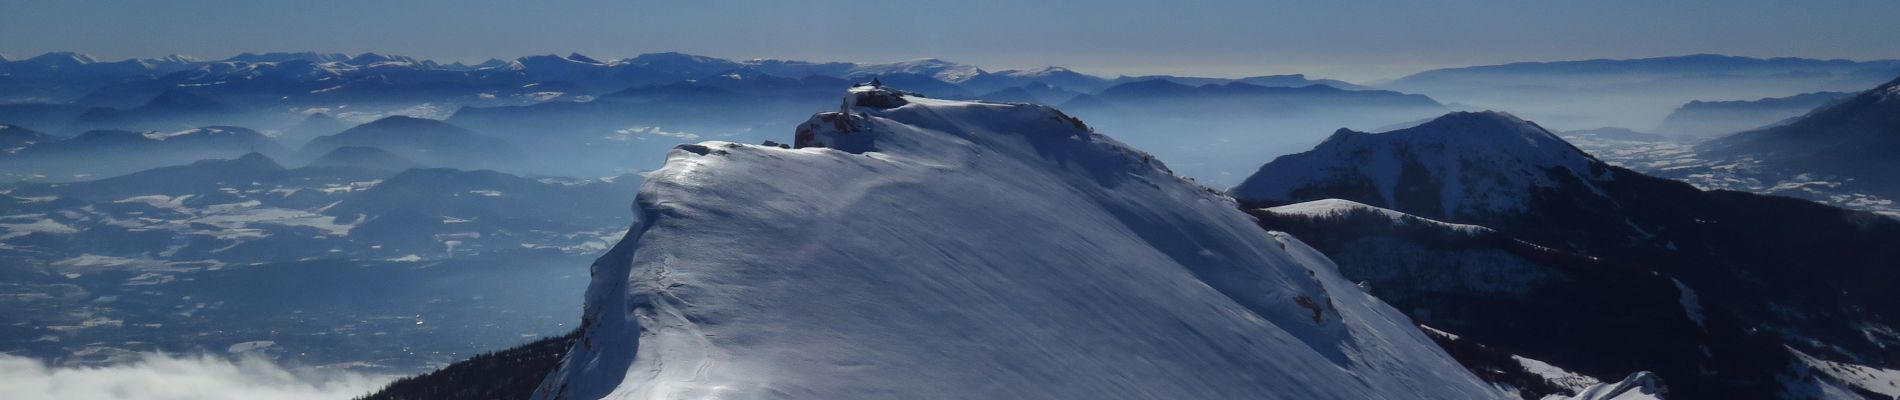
{"x": 923, "y": 248}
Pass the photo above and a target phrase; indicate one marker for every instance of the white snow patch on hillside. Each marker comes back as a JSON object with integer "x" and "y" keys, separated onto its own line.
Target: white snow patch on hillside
{"x": 1878, "y": 380}
{"x": 232, "y": 221}
{"x": 1444, "y": 334}
{"x": 1691, "y": 305}
{"x": 1324, "y": 208}
{"x": 14, "y": 226}
{"x": 966, "y": 250}
{"x": 1574, "y": 382}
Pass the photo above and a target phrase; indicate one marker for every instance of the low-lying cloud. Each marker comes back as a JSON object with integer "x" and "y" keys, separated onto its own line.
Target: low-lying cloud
{"x": 167, "y": 377}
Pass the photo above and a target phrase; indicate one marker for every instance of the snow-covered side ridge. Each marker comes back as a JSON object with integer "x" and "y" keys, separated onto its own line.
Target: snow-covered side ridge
{"x": 1885, "y": 382}
{"x": 1463, "y": 162}
{"x": 1324, "y": 208}
{"x": 921, "y": 248}
{"x": 1637, "y": 386}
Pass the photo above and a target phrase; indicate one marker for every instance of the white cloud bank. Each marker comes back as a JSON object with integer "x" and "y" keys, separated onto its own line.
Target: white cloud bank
{"x": 167, "y": 377}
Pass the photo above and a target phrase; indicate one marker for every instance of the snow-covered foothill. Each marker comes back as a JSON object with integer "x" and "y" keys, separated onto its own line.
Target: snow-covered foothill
{"x": 922, "y": 248}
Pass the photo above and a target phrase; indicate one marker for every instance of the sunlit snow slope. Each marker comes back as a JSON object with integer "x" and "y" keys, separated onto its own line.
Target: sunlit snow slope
{"x": 918, "y": 248}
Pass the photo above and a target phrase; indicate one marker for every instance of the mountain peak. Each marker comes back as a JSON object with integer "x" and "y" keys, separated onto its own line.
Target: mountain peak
{"x": 405, "y": 120}
{"x": 309, "y": 56}
{"x": 64, "y": 58}
{"x": 1456, "y": 164}
{"x": 673, "y": 58}
{"x": 372, "y": 58}
{"x": 934, "y": 68}
{"x": 911, "y": 261}
{"x": 491, "y": 63}
{"x": 1039, "y": 72}
{"x": 318, "y": 117}
{"x": 257, "y": 160}
{"x": 1484, "y": 122}
{"x": 577, "y": 56}
{"x": 1504, "y": 130}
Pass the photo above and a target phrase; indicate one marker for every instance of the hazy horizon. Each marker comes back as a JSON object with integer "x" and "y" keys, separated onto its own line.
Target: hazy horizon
{"x": 1364, "y": 41}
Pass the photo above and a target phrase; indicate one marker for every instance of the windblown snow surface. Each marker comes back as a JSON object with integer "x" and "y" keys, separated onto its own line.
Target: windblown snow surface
{"x": 925, "y": 249}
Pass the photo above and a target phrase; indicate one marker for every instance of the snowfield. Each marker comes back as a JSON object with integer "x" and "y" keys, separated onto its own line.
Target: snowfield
{"x": 928, "y": 249}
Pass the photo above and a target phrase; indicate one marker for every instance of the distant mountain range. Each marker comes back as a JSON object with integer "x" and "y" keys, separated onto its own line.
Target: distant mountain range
{"x": 1855, "y": 139}
{"x": 315, "y": 77}
{"x": 102, "y": 153}
{"x": 391, "y": 143}
{"x": 1636, "y": 93}
{"x": 1834, "y": 153}
{"x": 1715, "y": 118}
{"x": 1641, "y": 69}
{"x": 605, "y": 117}
{"x": 596, "y": 112}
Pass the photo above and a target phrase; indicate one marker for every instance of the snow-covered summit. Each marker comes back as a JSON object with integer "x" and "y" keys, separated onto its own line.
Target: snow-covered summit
{"x": 64, "y": 58}
{"x": 677, "y": 60}
{"x": 923, "y": 248}
{"x": 1465, "y": 162}
{"x": 1037, "y": 72}
{"x": 583, "y": 58}
{"x": 941, "y": 70}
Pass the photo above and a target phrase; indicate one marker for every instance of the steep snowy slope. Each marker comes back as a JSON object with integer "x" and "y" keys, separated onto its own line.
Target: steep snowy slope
{"x": 921, "y": 248}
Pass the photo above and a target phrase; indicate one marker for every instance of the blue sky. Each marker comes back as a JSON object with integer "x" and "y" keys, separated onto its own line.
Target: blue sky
{"x": 1349, "y": 39}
